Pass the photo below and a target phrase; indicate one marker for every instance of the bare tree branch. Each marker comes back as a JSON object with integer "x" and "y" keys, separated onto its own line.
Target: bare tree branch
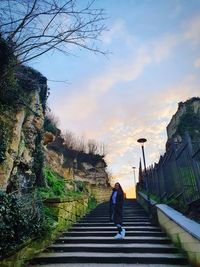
{"x": 79, "y": 144}
{"x": 36, "y": 27}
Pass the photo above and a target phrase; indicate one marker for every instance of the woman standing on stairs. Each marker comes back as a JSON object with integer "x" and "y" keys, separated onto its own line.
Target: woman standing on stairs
{"x": 116, "y": 209}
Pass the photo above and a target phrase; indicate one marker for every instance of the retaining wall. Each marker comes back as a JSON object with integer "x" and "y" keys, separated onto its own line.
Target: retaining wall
{"x": 183, "y": 232}
{"x": 65, "y": 213}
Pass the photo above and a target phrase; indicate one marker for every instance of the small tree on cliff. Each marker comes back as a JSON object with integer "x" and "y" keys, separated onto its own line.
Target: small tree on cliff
{"x": 96, "y": 148}
{"x": 35, "y": 27}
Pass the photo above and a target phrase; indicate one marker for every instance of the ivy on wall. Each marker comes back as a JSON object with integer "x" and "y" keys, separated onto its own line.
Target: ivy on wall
{"x": 4, "y": 137}
{"x": 190, "y": 122}
{"x": 21, "y": 218}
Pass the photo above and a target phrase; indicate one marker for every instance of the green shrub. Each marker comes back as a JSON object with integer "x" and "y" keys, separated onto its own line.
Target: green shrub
{"x": 4, "y": 137}
{"x": 8, "y": 86}
{"x": 49, "y": 126}
{"x": 59, "y": 187}
{"x": 189, "y": 122}
{"x": 92, "y": 203}
{"x": 55, "y": 185}
{"x": 21, "y": 219}
{"x": 39, "y": 161}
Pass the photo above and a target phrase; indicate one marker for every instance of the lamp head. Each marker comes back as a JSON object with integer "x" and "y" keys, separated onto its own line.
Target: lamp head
{"x": 142, "y": 140}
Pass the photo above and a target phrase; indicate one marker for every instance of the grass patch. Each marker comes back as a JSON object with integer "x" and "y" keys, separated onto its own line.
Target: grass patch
{"x": 92, "y": 203}
{"x": 57, "y": 186}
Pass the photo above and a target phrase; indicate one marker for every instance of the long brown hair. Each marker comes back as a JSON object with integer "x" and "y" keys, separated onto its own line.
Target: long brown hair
{"x": 120, "y": 188}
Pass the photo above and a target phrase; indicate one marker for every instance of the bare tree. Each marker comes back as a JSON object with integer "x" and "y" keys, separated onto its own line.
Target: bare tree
{"x": 53, "y": 118}
{"x": 69, "y": 139}
{"x": 80, "y": 144}
{"x": 51, "y": 123}
{"x": 92, "y": 147}
{"x": 102, "y": 149}
{"x": 95, "y": 148}
{"x": 74, "y": 142}
{"x": 35, "y": 27}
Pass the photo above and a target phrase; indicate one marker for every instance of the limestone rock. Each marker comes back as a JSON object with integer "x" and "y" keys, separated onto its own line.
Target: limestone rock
{"x": 25, "y": 128}
{"x": 191, "y": 106}
{"x": 48, "y": 138}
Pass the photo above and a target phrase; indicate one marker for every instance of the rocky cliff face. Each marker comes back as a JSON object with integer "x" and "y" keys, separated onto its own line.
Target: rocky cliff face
{"x": 25, "y": 145}
{"x": 76, "y": 165}
{"x": 187, "y": 118}
{"x": 95, "y": 174}
{"x": 21, "y": 131}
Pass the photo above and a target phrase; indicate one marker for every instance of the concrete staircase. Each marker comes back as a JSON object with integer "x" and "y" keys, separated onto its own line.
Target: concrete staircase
{"x": 90, "y": 242}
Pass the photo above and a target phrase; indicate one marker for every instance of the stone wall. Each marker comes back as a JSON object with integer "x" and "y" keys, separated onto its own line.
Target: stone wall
{"x": 183, "y": 232}
{"x": 101, "y": 193}
{"x": 65, "y": 213}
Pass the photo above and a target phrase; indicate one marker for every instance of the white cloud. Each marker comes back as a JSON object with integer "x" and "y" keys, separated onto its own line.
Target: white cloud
{"x": 83, "y": 103}
{"x": 162, "y": 47}
{"x": 192, "y": 30}
{"x": 116, "y": 29}
{"x": 197, "y": 63}
{"x": 123, "y": 137}
{"x": 146, "y": 114}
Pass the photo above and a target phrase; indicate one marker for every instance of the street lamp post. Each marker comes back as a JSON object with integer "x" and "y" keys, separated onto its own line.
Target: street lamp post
{"x": 134, "y": 175}
{"x": 142, "y": 141}
{"x": 134, "y": 181}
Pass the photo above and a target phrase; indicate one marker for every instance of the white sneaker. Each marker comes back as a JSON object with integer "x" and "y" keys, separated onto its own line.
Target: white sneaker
{"x": 118, "y": 236}
{"x": 123, "y": 232}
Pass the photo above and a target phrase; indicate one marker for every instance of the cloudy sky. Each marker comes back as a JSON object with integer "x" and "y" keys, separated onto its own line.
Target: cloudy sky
{"x": 133, "y": 92}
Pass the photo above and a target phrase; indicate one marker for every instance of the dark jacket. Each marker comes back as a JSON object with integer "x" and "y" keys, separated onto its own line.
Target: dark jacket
{"x": 116, "y": 211}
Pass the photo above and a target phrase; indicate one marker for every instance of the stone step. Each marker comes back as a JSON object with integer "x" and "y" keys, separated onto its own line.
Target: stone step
{"x": 109, "y": 265}
{"x": 113, "y": 233}
{"x": 106, "y": 214}
{"x": 111, "y": 240}
{"x": 111, "y": 224}
{"x": 106, "y": 221}
{"x": 133, "y": 214}
{"x": 107, "y": 217}
{"x": 97, "y": 257}
{"x": 96, "y": 220}
{"x": 115, "y": 248}
{"x": 106, "y": 208}
{"x": 124, "y": 213}
{"x": 111, "y": 227}
{"x": 129, "y": 216}
{"x": 106, "y": 211}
